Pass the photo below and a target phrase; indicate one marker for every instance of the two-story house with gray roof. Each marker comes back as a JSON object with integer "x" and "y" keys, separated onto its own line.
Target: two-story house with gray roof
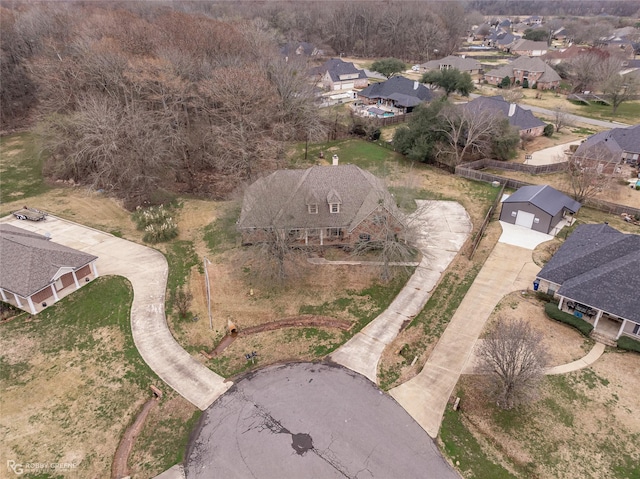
{"x": 469, "y": 65}
{"x": 336, "y": 74}
{"x": 523, "y": 120}
{"x": 336, "y": 205}
{"x": 595, "y": 275}
{"x": 36, "y": 272}
{"x": 534, "y": 70}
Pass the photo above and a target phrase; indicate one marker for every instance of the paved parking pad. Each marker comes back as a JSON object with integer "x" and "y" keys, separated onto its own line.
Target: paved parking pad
{"x": 311, "y": 420}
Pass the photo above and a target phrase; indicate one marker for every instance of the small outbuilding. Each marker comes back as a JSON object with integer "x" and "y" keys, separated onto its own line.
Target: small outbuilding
{"x": 538, "y": 207}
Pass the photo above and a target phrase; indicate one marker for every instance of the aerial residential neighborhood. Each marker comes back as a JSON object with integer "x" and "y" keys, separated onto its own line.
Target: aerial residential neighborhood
{"x": 320, "y": 239}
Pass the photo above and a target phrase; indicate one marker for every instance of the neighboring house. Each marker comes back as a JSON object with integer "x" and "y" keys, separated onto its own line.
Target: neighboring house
{"x": 398, "y": 93}
{"x": 529, "y": 48}
{"x": 538, "y": 207}
{"x": 36, "y": 272}
{"x": 534, "y": 70}
{"x": 595, "y": 275}
{"x": 518, "y": 117}
{"x": 502, "y": 40}
{"x": 299, "y": 49}
{"x": 337, "y": 205}
{"x": 463, "y": 64}
{"x": 607, "y": 149}
{"x": 534, "y": 20}
{"x": 336, "y": 74}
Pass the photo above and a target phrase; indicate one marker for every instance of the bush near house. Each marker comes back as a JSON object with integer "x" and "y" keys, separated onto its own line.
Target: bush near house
{"x": 629, "y": 344}
{"x": 580, "y": 324}
{"x": 548, "y": 130}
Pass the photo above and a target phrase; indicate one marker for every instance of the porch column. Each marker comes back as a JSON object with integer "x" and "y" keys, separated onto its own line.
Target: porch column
{"x": 321, "y": 237}
{"x": 31, "y": 306}
{"x": 55, "y": 293}
{"x": 306, "y": 236}
{"x": 95, "y": 270}
{"x": 75, "y": 279}
{"x": 4, "y": 296}
{"x": 624, "y": 322}
{"x": 560, "y": 302}
{"x": 18, "y": 302}
{"x": 598, "y": 316}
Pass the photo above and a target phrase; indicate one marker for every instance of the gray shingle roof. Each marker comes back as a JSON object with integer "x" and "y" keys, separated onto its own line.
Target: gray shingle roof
{"x": 282, "y": 198}
{"x": 599, "y": 266}
{"x": 517, "y": 116}
{"x": 29, "y": 261}
{"x": 337, "y": 67}
{"x": 529, "y": 45}
{"x": 400, "y": 89}
{"x": 528, "y": 64}
{"x": 545, "y": 197}
{"x": 453, "y": 61}
{"x": 611, "y": 144}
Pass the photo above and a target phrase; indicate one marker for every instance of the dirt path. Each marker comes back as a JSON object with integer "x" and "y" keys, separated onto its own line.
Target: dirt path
{"x": 119, "y": 468}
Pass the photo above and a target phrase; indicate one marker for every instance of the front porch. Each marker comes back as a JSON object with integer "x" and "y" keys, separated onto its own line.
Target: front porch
{"x": 49, "y": 295}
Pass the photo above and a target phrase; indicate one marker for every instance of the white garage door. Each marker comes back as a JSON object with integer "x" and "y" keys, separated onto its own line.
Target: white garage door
{"x": 525, "y": 219}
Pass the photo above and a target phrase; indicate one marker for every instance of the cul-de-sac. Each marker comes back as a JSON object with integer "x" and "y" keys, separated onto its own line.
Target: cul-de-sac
{"x": 344, "y": 239}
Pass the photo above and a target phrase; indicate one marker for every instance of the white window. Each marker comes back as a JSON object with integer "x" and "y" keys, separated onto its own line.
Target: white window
{"x": 335, "y": 232}
{"x": 313, "y": 209}
{"x": 514, "y": 213}
{"x": 636, "y": 330}
{"x": 334, "y": 207}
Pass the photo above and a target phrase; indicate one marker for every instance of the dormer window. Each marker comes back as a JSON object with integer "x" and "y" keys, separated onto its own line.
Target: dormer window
{"x": 334, "y": 201}
{"x": 334, "y": 207}
{"x": 313, "y": 209}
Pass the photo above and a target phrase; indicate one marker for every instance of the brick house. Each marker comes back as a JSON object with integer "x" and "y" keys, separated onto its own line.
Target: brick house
{"x": 336, "y": 74}
{"x": 534, "y": 70}
{"x": 523, "y": 120}
{"x": 338, "y": 205}
{"x": 36, "y": 272}
{"x": 608, "y": 149}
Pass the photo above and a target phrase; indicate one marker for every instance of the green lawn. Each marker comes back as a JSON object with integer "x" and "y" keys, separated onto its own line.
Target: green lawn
{"x": 20, "y": 168}
{"x": 73, "y": 380}
{"x": 628, "y": 112}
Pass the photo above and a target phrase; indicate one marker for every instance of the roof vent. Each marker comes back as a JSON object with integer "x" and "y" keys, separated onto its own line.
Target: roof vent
{"x": 512, "y": 109}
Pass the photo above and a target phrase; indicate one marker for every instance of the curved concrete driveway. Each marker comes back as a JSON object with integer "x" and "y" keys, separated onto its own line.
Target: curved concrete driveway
{"x": 147, "y": 270}
{"x": 508, "y": 268}
{"x": 442, "y": 227}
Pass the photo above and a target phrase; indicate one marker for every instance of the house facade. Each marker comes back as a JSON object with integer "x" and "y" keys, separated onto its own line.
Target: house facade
{"x": 540, "y": 208}
{"x": 337, "y": 205}
{"x": 534, "y": 70}
{"x": 518, "y": 117}
{"x": 336, "y": 74}
{"x": 594, "y": 275}
{"x": 36, "y": 272}
{"x": 398, "y": 94}
{"x": 608, "y": 149}
{"x": 469, "y": 65}
{"x": 529, "y": 48}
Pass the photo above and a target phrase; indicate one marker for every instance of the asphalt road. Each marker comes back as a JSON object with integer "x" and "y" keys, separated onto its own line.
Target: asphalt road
{"x": 312, "y": 421}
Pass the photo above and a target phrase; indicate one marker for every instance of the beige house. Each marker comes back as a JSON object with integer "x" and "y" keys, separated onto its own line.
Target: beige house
{"x": 36, "y": 272}
{"x": 336, "y": 205}
{"x": 336, "y": 74}
{"x": 469, "y": 65}
{"x": 529, "y": 48}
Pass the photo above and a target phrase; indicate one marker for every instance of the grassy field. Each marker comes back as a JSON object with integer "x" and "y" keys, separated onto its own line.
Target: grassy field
{"x": 73, "y": 380}
{"x": 20, "y": 168}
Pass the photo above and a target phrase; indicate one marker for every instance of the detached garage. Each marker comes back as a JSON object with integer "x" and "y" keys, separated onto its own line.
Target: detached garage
{"x": 538, "y": 207}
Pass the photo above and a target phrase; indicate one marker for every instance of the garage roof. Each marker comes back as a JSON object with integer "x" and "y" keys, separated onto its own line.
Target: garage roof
{"x": 546, "y": 198}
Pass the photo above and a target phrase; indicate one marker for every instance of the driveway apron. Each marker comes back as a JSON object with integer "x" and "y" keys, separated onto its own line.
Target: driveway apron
{"x": 425, "y": 396}
{"x": 443, "y": 227}
{"x": 147, "y": 271}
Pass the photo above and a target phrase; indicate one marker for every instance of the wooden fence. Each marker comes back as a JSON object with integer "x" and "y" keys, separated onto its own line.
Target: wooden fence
{"x": 472, "y": 171}
{"x": 392, "y": 120}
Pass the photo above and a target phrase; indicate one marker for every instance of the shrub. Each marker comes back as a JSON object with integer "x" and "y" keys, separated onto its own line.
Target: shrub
{"x": 629, "y": 344}
{"x": 157, "y": 223}
{"x": 534, "y": 86}
{"x": 548, "y": 130}
{"x": 580, "y": 324}
{"x": 525, "y": 83}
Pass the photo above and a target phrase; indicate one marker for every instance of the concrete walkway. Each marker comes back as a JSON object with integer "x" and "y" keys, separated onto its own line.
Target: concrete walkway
{"x": 147, "y": 271}
{"x": 586, "y": 361}
{"x": 508, "y": 268}
{"x": 443, "y": 228}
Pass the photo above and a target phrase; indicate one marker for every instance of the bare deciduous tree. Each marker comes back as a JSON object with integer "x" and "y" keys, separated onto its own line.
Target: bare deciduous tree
{"x": 182, "y": 301}
{"x": 561, "y": 118}
{"x": 586, "y": 175}
{"x": 514, "y": 357}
